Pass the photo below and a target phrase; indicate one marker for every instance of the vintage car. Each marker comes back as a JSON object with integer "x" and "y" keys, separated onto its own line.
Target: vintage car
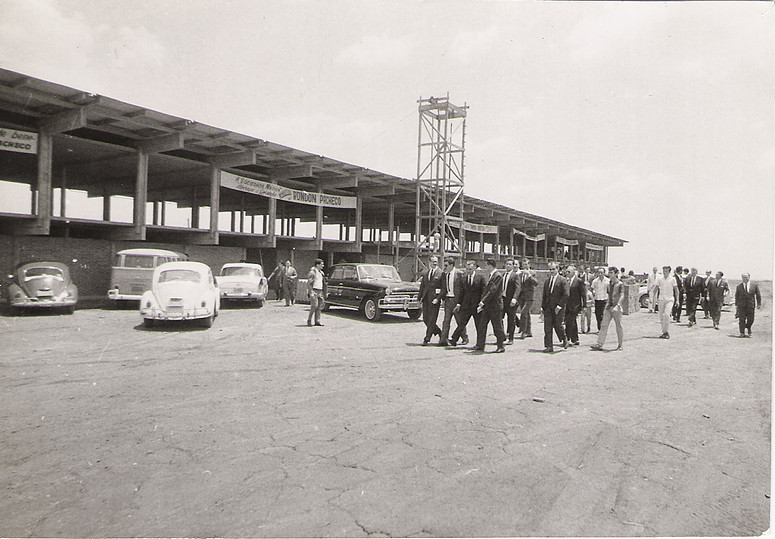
{"x": 243, "y": 281}
{"x": 43, "y": 285}
{"x": 132, "y": 272}
{"x": 373, "y": 289}
{"x": 181, "y": 291}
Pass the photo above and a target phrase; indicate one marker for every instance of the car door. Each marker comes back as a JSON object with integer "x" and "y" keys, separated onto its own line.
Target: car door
{"x": 351, "y": 292}
{"x": 334, "y": 286}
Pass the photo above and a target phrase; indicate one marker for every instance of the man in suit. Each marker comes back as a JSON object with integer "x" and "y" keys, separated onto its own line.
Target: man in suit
{"x": 747, "y": 300}
{"x": 491, "y": 308}
{"x": 693, "y": 288}
{"x": 289, "y": 276}
{"x": 527, "y": 284}
{"x": 678, "y": 305}
{"x": 577, "y": 300}
{"x": 704, "y": 303}
{"x": 430, "y": 297}
{"x": 451, "y": 293}
{"x": 510, "y": 292}
{"x": 473, "y": 285}
{"x": 553, "y": 307}
{"x": 716, "y": 288}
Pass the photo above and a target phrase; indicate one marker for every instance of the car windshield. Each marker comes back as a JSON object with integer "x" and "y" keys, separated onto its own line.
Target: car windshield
{"x": 138, "y": 261}
{"x": 43, "y": 272}
{"x": 383, "y": 273}
{"x": 242, "y": 271}
{"x": 179, "y": 275}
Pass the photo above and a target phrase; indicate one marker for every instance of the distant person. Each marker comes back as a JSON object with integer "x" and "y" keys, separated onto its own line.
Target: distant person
{"x": 651, "y": 287}
{"x": 613, "y": 311}
{"x": 527, "y": 284}
{"x": 600, "y": 292}
{"x": 577, "y": 300}
{"x": 679, "y": 281}
{"x": 510, "y": 294}
{"x": 747, "y": 300}
{"x": 473, "y": 285}
{"x": 430, "y": 297}
{"x": 667, "y": 295}
{"x": 585, "y": 317}
{"x": 717, "y": 288}
{"x": 704, "y": 302}
{"x": 693, "y": 289}
{"x": 276, "y": 281}
{"x": 491, "y": 308}
{"x": 315, "y": 283}
{"x": 289, "y": 276}
{"x": 452, "y": 294}
{"x": 553, "y": 304}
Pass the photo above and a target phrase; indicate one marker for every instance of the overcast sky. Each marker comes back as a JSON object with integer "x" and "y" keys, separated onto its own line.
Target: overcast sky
{"x": 648, "y": 121}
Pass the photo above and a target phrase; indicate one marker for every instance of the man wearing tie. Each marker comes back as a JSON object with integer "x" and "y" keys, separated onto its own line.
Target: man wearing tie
{"x": 693, "y": 290}
{"x": 473, "y": 284}
{"x": 452, "y": 293}
{"x": 553, "y": 306}
{"x": 527, "y": 284}
{"x": 510, "y": 292}
{"x": 577, "y": 300}
{"x": 491, "y": 308}
{"x": 716, "y": 289}
{"x": 430, "y": 297}
{"x": 747, "y": 300}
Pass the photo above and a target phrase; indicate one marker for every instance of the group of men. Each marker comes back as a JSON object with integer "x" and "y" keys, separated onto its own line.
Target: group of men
{"x": 670, "y": 292}
{"x": 283, "y": 279}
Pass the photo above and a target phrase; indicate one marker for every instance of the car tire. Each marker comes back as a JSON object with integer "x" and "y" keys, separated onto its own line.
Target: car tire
{"x": 70, "y": 309}
{"x": 644, "y": 301}
{"x": 371, "y": 310}
{"x": 149, "y": 322}
{"x": 326, "y": 306}
{"x": 207, "y": 322}
{"x": 414, "y": 314}
{"x": 260, "y": 303}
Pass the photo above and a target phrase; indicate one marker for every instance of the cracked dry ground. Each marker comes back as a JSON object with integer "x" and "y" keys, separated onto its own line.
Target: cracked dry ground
{"x": 261, "y": 426}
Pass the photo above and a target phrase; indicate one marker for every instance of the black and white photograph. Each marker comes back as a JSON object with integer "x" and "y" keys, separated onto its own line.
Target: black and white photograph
{"x": 361, "y": 268}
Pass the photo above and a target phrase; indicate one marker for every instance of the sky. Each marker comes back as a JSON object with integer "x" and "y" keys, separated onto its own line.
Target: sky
{"x": 648, "y": 121}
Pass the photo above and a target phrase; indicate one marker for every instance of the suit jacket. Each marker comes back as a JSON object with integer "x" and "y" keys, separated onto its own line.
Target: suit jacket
{"x": 694, "y": 290}
{"x": 555, "y": 297}
{"x": 715, "y": 290}
{"x": 457, "y": 286}
{"x": 748, "y": 299}
{"x": 472, "y": 293}
{"x": 492, "y": 293}
{"x": 527, "y": 287}
{"x": 428, "y": 286}
{"x": 577, "y": 295}
{"x": 512, "y": 287}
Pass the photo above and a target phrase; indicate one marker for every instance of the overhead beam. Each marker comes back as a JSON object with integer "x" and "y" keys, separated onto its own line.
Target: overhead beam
{"x": 232, "y": 160}
{"x": 164, "y": 143}
{"x": 340, "y": 183}
{"x": 288, "y": 172}
{"x": 66, "y": 121}
{"x": 379, "y": 190}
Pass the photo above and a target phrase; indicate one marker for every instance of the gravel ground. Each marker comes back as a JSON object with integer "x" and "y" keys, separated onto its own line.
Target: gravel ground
{"x": 261, "y": 426}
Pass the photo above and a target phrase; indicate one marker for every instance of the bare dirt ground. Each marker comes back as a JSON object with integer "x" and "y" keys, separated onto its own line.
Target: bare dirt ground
{"x": 261, "y": 426}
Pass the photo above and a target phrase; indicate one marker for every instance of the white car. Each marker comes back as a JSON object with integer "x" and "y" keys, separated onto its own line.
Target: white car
{"x": 243, "y": 281}
{"x": 181, "y": 291}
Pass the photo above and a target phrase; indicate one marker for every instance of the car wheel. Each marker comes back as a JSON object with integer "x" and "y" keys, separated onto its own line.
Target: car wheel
{"x": 207, "y": 322}
{"x": 371, "y": 311}
{"x": 414, "y": 314}
{"x": 149, "y": 322}
{"x": 326, "y": 306}
{"x": 260, "y": 303}
{"x": 644, "y": 301}
{"x": 70, "y": 309}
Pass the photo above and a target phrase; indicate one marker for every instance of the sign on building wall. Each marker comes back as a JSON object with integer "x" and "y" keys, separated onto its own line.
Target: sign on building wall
{"x": 566, "y": 241}
{"x": 472, "y": 227}
{"x": 528, "y": 237}
{"x": 272, "y": 190}
{"x": 18, "y": 141}
{"x": 594, "y": 247}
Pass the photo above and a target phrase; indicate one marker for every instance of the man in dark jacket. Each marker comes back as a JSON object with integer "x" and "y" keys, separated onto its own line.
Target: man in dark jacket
{"x": 553, "y": 306}
{"x": 451, "y": 294}
{"x": 473, "y": 285}
{"x": 577, "y": 300}
{"x": 491, "y": 308}
{"x": 430, "y": 297}
{"x": 510, "y": 293}
{"x": 527, "y": 284}
{"x": 694, "y": 287}
{"x": 747, "y": 299}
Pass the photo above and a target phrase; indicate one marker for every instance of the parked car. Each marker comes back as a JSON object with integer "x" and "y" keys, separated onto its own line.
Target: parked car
{"x": 373, "y": 289}
{"x": 43, "y": 285}
{"x": 243, "y": 281}
{"x": 181, "y": 291}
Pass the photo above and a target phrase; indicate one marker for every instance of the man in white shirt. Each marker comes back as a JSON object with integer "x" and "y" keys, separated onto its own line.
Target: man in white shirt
{"x": 651, "y": 287}
{"x": 600, "y": 293}
{"x": 315, "y": 281}
{"x": 667, "y": 294}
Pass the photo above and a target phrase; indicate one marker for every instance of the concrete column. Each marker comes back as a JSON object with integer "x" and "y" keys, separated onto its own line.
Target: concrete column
{"x": 141, "y": 194}
{"x": 105, "y": 204}
{"x": 63, "y": 194}
{"x": 45, "y": 191}
{"x": 215, "y": 201}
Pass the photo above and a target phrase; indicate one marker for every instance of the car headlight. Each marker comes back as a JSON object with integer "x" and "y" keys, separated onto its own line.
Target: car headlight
{"x": 204, "y": 303}
{"x": 388, "y": 291}
{"x": 148, "y": 304}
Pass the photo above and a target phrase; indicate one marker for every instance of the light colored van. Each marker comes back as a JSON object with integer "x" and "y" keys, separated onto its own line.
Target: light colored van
{"x": 132, "y": 271}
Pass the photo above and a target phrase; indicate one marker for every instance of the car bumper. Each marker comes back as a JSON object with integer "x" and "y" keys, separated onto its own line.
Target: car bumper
{"x": 114, "y": 295}
{"x": 178, "y": 314}
{"x": 398, "y": 304}
{"x": 43, "y": 302}
{"x": 242, "y": 295}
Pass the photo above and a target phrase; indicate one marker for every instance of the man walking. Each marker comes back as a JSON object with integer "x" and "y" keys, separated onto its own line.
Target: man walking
{"x": 716, "y": 288}
{"x": 693, "y": 289}
{"x": 704, "y": 302}
{"x": 600, "y": 293}
{"x": 667, "y": 295}
{"x": 452, "y": 293}
{"x": 679, "y": 280}
{"x": 577, "y": 300}
{"x": 527, "y": 284}
{"x": 491, "y": 308}
{"x": 747, "y": 300}
{"x": 613, "y": 311}
{"x": 289, "y": 283}
{"x": 473, "y": 284}
{"x": 651, "y": 287}
{"x": 553, "y": 304}
{"x": 510, "y": 293}
{"x": 430, "y": 297}
{"x": 315, "y": 283}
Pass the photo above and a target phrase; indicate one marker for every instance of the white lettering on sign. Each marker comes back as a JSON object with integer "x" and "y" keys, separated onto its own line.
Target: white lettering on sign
{"x": 18, "y": 141}
{"x": 272, "y": 190}
{"x": 472, "y": 227}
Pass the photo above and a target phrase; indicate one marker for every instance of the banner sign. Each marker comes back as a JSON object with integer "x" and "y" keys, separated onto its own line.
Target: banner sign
{"x": 18, "y": 141}
{"x": 566, "y": 241}
{"x": 472, "y": 227}
{"x": 272, "y": 190}
{"x": 540, "y": 237}
{"x": 594, "y": 247}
